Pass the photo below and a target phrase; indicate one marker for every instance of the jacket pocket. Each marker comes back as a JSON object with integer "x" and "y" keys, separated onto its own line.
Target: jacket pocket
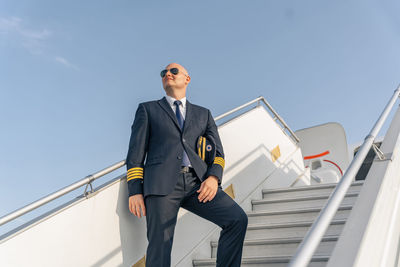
{"x": 155, "y": 160}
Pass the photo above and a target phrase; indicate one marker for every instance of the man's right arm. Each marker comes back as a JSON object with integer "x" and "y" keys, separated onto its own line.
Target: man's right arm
{"x": 137, "y": 151}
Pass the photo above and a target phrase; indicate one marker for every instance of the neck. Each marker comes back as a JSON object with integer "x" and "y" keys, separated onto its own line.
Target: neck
{"x": 178, "y": 95}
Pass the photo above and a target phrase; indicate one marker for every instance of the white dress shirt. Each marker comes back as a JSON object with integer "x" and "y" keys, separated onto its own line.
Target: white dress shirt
{"x": 182, "y": 107}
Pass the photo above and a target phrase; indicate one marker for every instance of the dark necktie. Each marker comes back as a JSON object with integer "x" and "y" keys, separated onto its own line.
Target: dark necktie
{"x": 185, "y": 160}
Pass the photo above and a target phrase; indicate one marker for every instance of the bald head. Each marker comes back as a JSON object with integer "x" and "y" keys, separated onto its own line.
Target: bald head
{"x": 175, "y": 84}
{"x": 176, "y": 65}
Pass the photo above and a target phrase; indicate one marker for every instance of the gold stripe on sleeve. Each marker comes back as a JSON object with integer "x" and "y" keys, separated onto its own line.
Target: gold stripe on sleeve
{"x": 136, "y": 169}
{"x": 220, "y": 161}
{"x": 131, "y": 178}
{"x": 219, "y": 164}
{"x": 135, "y": 172}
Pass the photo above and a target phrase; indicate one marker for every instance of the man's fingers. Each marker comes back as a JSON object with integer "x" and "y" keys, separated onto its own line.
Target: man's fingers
{"x": 208, "y": 198}
{"x": 215, "y": 193}
{"x": 142, "y": 207}
{"x": 202, "y": 194}
{"x": 211, "y": 196}
{"x": 201, "y": 187}
{"x": 137, "y": 207}
{"x": 205, "y": 193}
{"x": 134, "y": 209}
{"x": 136, "y": 203}
{"x": 131, "y": 206}
{"x": 144, "y": 210}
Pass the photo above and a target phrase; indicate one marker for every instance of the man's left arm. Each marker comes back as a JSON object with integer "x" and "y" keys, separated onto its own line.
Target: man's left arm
{"x": 209, "y": 186}
{"x": 217, "y": 167}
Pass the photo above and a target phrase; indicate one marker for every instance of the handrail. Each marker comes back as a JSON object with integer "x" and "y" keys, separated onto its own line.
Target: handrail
{"x": 34, "y": 205}
{"x": 90, "y": 178}
{"x": 313, "y": 237}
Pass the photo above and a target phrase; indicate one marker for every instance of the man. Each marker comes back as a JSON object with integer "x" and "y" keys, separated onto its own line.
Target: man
{"x": 174, "y": 176}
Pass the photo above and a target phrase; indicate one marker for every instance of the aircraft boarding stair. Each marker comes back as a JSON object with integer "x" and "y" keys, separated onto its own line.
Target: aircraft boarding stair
{"x": 279, "y": 221}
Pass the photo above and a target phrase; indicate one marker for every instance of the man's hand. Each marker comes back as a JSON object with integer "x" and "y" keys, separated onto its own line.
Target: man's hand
{"x": 136, "y": 203}
{"x": 208, "y": 189}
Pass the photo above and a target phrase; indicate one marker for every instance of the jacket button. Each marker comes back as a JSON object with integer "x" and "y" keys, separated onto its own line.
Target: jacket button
{"x": 179, "y": 157}
{"x": 184, "y": 140}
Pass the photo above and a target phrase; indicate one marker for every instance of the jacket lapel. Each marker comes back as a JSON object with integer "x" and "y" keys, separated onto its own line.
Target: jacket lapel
{"x": 165, "y": 105}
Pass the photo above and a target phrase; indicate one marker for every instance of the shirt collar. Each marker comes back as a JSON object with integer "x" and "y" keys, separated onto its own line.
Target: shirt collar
{"x": 171, "y": 101}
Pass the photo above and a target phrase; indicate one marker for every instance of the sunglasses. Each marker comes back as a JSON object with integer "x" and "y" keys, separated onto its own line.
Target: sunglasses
{"x": 174, "y": 71}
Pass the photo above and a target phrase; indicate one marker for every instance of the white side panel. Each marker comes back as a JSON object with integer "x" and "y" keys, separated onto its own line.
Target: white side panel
{"x": 371, "y": 234}
{"x": 90, "y": 232}
{"x": 100, "y": 231}
{"x": 253, "y": 136}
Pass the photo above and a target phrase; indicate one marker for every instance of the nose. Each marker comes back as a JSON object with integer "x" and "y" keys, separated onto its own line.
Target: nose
{"x": 168, "y": 74}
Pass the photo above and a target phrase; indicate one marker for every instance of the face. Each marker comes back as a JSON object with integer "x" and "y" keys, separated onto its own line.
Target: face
{"x": 175, "y": 82}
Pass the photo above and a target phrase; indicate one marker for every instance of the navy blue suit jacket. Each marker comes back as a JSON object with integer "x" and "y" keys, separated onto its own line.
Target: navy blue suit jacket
{"x": 156, "y": 147}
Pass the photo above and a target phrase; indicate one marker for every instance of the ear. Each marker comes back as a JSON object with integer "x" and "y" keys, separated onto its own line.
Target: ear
{"x": 188, "y": 79}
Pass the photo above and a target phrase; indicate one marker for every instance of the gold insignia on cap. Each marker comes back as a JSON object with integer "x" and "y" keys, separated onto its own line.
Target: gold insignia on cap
{"x": 199, "y": 146}
{"x": 204, "y": 149}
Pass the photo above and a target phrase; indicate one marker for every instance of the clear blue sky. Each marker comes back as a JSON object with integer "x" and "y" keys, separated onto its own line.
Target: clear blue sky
{"x": 72, "y": 73}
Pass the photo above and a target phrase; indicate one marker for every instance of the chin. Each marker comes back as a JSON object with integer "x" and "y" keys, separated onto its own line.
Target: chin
{"x": 168, "y": 84}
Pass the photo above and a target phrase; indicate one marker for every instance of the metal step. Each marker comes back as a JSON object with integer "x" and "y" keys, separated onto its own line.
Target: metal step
{"x": 299, "y": 202}
{"x": 263, "y": 261}
{"x": 272, "y": 194}
{"x": 290, "y": 215}
{"x": 279, "y": 246}
{"x": 292, "y": 229}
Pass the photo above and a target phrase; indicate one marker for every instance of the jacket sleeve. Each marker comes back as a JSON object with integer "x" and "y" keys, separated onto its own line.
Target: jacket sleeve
{"x": 137, "y": 151}
{"x": 217, "y": 167}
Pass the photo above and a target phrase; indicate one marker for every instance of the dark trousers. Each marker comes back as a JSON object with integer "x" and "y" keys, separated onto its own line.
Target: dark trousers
{"x": 161, "y": 215}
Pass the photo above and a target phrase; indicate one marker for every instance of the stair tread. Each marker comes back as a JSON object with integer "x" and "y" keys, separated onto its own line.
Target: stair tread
{"x": 290, "y": 224}
{"x": 281, "y": 240}
{"x": 303, "y": 198}
{"x": 308, "y": 187}
{"x": 267, "y": 259}
{"x": 288, "y": 211}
